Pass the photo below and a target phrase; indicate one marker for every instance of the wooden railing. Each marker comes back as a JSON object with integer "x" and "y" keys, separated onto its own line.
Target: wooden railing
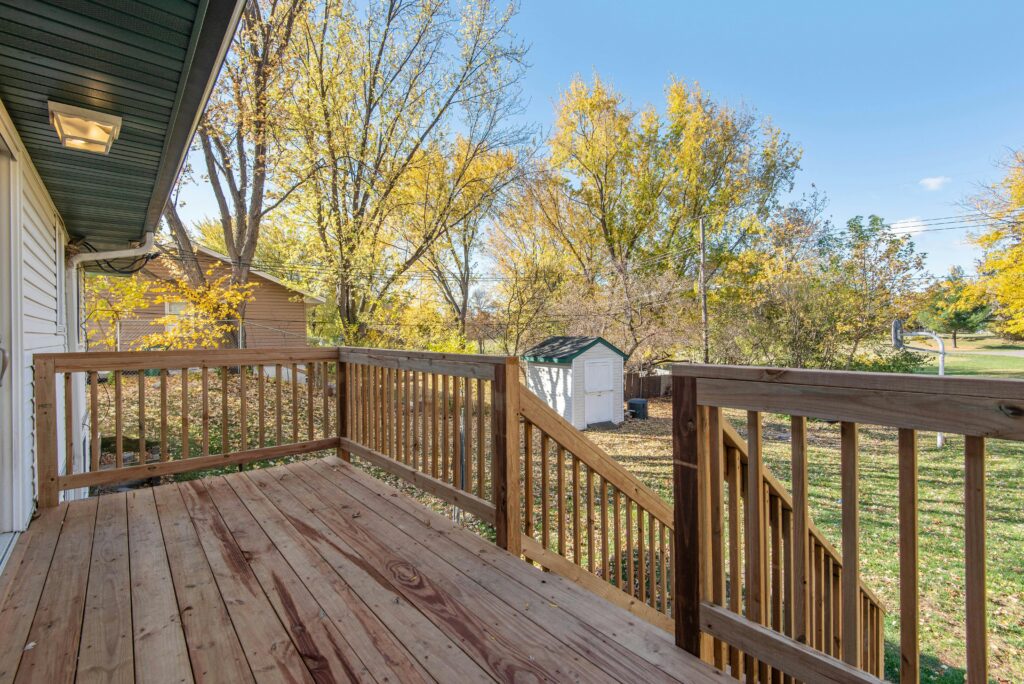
{"x": 151, "y": 414}
{"x": 426, "y": 418}
{"x": 976, "y": 408}
{"x": 589, "y": 519}
{"x": 755, "y": 589}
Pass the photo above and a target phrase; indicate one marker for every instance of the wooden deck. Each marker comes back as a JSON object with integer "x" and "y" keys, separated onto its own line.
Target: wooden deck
{"x": 312, "y": 571}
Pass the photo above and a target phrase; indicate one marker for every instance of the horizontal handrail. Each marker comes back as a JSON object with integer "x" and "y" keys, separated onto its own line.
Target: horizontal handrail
{"x": 81, "y": 362}
{"x": 904, "y": 382}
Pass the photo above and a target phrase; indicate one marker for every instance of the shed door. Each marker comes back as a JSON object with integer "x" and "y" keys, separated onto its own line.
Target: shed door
{"x": 598, "y": 385}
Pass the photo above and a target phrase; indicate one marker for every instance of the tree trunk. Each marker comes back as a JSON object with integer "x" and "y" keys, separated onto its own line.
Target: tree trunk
{"x": 954, "y": 339}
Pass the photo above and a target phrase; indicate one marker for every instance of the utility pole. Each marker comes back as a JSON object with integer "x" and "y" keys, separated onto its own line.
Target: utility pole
{"x": 704, "y": 296}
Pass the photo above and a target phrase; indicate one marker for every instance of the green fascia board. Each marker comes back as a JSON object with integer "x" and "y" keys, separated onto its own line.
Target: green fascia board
{"x": 567, "y": 360}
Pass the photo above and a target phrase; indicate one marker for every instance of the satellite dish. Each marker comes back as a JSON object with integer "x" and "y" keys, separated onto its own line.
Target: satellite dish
{"x": 897, "y": 333}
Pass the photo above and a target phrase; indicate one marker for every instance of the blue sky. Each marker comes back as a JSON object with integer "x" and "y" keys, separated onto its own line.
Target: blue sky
{"x": 880, "y": 95}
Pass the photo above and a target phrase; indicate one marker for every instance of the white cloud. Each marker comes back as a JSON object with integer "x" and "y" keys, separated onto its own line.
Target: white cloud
{"x": 908, "y": 226}
{"x": 933, "y": 183}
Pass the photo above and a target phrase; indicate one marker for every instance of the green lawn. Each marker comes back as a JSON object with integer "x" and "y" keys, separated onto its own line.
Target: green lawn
{"x": 993, "y": 365}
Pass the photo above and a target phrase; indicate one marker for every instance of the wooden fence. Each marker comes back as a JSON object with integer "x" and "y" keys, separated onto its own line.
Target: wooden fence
{"x": 736, "y": 568}
{"x": 636, "y": 386}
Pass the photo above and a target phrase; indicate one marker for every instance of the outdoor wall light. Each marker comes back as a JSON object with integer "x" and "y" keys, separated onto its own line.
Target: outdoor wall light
{"x": 83, "y": 129}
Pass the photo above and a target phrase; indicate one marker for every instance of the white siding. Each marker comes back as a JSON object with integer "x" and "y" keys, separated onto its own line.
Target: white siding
{"x": 34, "y": 258}
{"x": 598, "y": 351}
{"x": 552, "y": 383}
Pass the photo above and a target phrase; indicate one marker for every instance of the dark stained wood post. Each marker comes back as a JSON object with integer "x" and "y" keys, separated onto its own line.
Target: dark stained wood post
{"x": 686, "y": 560}
{"x": 505, "y": 467}
{"x": 46, "y": 430}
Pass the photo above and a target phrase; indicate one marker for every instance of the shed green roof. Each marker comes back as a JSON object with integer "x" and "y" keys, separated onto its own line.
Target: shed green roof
{"x": 153, "y": 63}
{"x": 565, "y": 348}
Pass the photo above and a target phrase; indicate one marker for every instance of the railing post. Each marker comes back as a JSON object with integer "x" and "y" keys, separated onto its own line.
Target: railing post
{"x": 686, "y": 560}
{"x": 342, "y": 393}
{"x": 45, "y": 394}
{"x": 505, "y": 469}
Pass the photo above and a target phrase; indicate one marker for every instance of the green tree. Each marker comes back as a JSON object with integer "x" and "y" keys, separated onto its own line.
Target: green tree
{"x": 953, "y": 306}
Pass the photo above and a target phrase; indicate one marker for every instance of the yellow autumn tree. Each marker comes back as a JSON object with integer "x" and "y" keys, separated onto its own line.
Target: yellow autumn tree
{"x": 208, "y": 318}
{"x": 1002, "y": 267}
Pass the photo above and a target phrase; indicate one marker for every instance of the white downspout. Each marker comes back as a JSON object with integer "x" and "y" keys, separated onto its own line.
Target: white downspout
{"x": 144, "y": 248}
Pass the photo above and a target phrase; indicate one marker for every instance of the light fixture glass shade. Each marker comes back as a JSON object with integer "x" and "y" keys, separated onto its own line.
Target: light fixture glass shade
{"x": 83, "y": 129}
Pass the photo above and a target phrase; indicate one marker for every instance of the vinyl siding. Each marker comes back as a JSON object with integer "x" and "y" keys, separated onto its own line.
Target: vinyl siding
{"x": 276, "y": 316}
{"x": 34, "y": 264}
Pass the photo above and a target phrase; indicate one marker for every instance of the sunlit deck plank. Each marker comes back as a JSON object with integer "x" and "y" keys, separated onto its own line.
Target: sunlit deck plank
{"x": 57, "y": 626}
{"x": 301, "y": 572}
{"x": 391, "y": 624}
{"x": 159, "y": 640}
{"x": 106, "y": 653}
{"x": 501, "y": 638}
{"x": 213, "y": 647}
{"x": 270, "y": 651}
{"x": 22, "y": 585}
{"x": 638, "y": 636}
{"x": 571, "y": 633}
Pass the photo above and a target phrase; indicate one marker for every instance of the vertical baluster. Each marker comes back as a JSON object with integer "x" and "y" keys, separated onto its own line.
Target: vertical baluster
{"x": 480, "y": 439}
{"x": 775, "y": 512}
{"x": 311, "y": 377}
{"x": 545, "y": 484}
{"x": 69, "y": 435}
{"x": 278, "y": 429}
{"x": 787, "y": 579}
{"x": 205, "y": 384}
{"x": 577, "y": 556}
{"x": 142, "y": 416}
{"x": 560, "y": 497}
{"x": 224, "y": 441}
{"x": 94, "y": 420}
{"x": 819, "y": 597}
{"x": 414, "y": 408}
{"x": 641, "y": 569}
{"x": 603, "y": 484}
{"x": 716, "y": 479}
{"x": 827, "y": 601}
{"x": 164, "y": 452}
{"x": 798, "y": 429}
{"x": 754, "y": 528}
{"x": 349, "y": 380}
{"x": 445, "y": 434}
{"x": 407, "y": 439}
{"x": 243, "y": 408}
{"x": 295, "y": 402}
{"x": 735, "y": 475}
{"x": 910, "y": 654}
{"x": 184, "y": 414}
{"x": 468, "y": 430}
{"x": 527, "y": 473}
{"x": 457, "y": 455}
{"x": 118, "y": 420}
{"x": 849, "y": 471}
{"x": 630, "y": 566}
{"x": 434, "y": 446}
{"x": 652, "y": 575}
{"x": 617, "y": 510}
{"x": 590, "y": 520}
{"x": 261, "y": 405}
{"x": 974, "y": 557}
{"x": 663, "y": 606}
{"x": 837, "y": 609}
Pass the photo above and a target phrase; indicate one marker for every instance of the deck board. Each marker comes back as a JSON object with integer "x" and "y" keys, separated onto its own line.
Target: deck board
{"x": 308, "y": 572}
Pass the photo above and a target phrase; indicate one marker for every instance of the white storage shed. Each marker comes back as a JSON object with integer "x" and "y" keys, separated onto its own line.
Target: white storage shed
{"x": 579, "y": 377}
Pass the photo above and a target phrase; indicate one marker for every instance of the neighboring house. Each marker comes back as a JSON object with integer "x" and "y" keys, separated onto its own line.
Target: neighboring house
{"x": 275, "y": 317}
{"x": 97, "y": 111}
{"x": 579, "y": 377}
